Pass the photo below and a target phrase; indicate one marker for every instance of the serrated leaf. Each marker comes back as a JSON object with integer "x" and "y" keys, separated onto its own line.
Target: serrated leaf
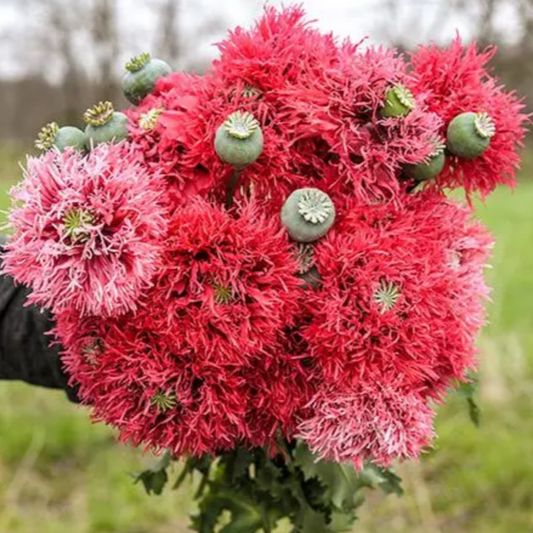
{"x": 309, "y": 521}
{"x": 153, "y": 482}
{"x": 238, "y": 463}
{"x": 376, "y": 476}
{"x": 342, "y": 520}
{"x": 210, "y": 510}
{"x": 339, "y": 480}
{"x": 246, "y": 516}
{"x": 267, "y": 476}
{"x": 155, "y": 478}
{"x": 243, "y": 524}
{"x": 201, "y": 464}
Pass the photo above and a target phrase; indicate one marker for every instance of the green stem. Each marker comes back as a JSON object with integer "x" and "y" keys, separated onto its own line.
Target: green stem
{"x": 231, "y": 186}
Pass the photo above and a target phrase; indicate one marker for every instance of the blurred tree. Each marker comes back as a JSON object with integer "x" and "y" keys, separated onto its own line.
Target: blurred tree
{"x": 48, "y": 45}
{"x": 173, "y": 31}
{"x": 168, "y": 44}
{"x": 69, "y": 53}
{"x": 62, "y": 25}
{"x": 514, "y": 61}
{"x": 106, "y": 48}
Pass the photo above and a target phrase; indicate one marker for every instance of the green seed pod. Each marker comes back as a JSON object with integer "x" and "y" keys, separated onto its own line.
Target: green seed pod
{"x": 469, "y": 134}
{"x": 148, "y": 120}
{"x": 399, "y": 102}
{"x": 239, "y": 141}
{"x": 71, "y": 136}
{"x": 143, "y": 72}
{"x": 104, "y": 124}
{"x": 427, "y": 170}
{"x": 432, "y": 167}
{"x": 61, "y": 138}
{"x": 308, "y": 214}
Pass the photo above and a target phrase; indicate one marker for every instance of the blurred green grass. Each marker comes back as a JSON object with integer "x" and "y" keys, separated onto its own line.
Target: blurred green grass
{"x": 59, "y": 473}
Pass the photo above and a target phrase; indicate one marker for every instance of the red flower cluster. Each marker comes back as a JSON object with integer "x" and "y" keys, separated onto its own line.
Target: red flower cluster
{"x": 394, "y": 321}
{"x": 190, "y": 320}
{"x": 204, "y": 364}
{"x": 400, "y": 290}
{"x": 455, "y": 80}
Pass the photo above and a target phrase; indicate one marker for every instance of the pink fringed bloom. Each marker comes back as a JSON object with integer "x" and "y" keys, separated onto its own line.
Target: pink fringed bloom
{"x": 88, "y": 231}
{"x": 368, "y": 422}
{"x": 203, "y": 365}
{"x": 454, "y": 80}
{"x": 360, "y": 153}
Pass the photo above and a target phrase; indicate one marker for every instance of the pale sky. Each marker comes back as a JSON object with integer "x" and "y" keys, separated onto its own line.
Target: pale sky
{"x": 419, "y": 20}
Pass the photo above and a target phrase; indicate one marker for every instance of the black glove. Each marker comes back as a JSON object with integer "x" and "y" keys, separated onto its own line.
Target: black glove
{"x": 25, "y": 353}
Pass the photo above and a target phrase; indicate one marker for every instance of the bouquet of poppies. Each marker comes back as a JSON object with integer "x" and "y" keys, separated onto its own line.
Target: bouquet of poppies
{"x": 259, "y": 268}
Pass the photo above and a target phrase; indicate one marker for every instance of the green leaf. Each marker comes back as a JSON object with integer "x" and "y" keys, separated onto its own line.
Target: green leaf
{"x": 154, "y": 482}
{"x": 376, "y": 476}
{"x": 246, "y": 514}
{"x": 468, "y": 390}
{"x": 316, "y": 496}
{"x": 339, "y": 480}
{"x": 201, "y": 464}
{"x": 474, "y": 411}
{"x": 209, "y": 513}
{"x": 155, "y": 478}
{"x": 309, "y": 521}
{"x": 342, "y": 520}
{"x": 238, "y": 463}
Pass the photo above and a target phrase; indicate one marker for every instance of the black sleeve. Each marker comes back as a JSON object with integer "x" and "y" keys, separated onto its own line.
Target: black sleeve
{"x": 25, "y": 351}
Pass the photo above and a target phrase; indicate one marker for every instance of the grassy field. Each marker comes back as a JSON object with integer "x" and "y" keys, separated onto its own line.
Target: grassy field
{"x": 59, "y": 473}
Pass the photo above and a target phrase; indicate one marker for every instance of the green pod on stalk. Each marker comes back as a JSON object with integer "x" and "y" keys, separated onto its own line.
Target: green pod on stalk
{"x": 399, "y": 102}
{"x": 52, "y": 135}
{"x": 104, "y": 124}
{"x": 469, "y": 134}
{"x": 432, "y": 166}
{"x": 143, "y": 73}
{"x": 239, "y": 140}
{"x": 307, "y": 214}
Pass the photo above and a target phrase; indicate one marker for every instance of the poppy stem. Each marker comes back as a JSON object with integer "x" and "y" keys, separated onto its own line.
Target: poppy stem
{"x": 232, "y": 184}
